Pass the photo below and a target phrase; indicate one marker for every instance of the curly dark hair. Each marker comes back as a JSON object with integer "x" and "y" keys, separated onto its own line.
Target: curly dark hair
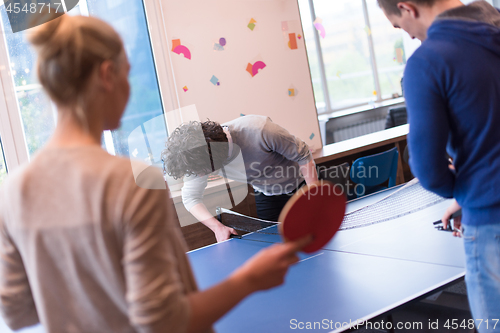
{"x": 195, "y": 149}
{"x": 391, "y": 6}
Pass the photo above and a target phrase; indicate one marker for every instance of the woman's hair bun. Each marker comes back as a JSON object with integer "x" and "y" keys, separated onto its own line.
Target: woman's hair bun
{"x": 70, "y": 48}
{"x": 42, "y": 35}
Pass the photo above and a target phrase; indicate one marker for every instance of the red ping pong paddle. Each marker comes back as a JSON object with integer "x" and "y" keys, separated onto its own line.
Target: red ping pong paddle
{"x": 315, "y": 209}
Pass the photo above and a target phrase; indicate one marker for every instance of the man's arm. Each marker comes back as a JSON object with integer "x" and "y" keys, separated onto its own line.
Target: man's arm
{"x": 279, "y": 140}
{"x": 309, "y": 172}
{"x": 192, "y": 198}
{"x": 429, "y": 127}
{"x": 201, "y": 213}
{"x": 457, "y": 221}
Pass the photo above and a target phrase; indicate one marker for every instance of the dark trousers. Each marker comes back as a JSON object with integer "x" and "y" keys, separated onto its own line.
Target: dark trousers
{"x": 269, "y": 206}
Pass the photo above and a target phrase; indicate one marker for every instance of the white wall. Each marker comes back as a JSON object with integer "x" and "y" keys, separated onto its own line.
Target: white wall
{"x": 200, "y": 24}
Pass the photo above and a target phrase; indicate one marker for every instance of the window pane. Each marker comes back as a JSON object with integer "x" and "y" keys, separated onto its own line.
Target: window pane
{"x": 144, "y": 110}
{"x": 312, "y": 54}
{"x": 389, "y": 51}
{"x": 37, "y": 114}
{"x": 345, "y": 52}
{"x": 3, "y": 166}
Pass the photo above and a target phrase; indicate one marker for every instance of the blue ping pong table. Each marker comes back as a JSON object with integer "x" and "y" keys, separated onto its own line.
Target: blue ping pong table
{"x": 361, "y": 274}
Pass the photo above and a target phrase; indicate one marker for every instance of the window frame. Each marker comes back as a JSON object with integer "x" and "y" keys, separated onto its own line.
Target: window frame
{"x": 11, "y": 127}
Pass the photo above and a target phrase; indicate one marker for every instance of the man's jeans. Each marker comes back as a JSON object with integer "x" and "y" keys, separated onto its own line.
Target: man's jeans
{"x": 482, "y": 253}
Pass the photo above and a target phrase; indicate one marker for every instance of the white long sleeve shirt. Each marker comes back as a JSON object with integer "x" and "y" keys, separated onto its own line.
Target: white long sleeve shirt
{"x": 269, "y": 160}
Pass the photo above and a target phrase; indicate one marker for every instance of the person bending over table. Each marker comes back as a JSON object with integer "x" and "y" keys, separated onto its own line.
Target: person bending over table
{"x": 83, "y": 248}
{"x": 452, "y": 90}
{"x": 273, "y": 161}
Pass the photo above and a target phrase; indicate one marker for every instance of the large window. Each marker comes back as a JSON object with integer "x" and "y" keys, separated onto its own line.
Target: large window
{"x": 144, "y": 110}
{"x": 360, "y": 57}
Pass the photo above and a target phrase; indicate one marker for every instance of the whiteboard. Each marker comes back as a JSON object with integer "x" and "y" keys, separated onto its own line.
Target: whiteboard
{"x": 217, "y": 76}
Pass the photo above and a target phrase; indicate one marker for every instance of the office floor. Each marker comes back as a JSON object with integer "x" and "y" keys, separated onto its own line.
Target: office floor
{"x": 422, "y": 317}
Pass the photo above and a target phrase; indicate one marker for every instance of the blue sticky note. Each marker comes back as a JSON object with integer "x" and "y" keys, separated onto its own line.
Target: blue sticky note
{"x": 242, "y": 115}
{"x": 214, "y": 80}
{"x": 218, "y": 47}
{"x": 312, "y": 136}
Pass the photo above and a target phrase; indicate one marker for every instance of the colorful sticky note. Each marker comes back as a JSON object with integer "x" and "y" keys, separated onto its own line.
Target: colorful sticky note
{"x": 312, "y": 136}
{"x": 257, "y": 66}
{"x": 214, "y": 80}
{"x": 178, "y": 48}
{"x": 321, "y": 29}
{"x": 251, "y": 25}
{"x": 185, "y": 88}
{"x": 250, "y": 68}
{"x": 299, "y": 36}
{"x": 399, "y": 55}
{"x": 318, "y": 24}
{"x": 291, "y": 92}
{"x": 242, "y": 115}
{"x": 218, "y": 47}
{"x": 374, "y": 93}
{"x": 222, "y": 42}
{"x": 175, "y": 43}
{"x": 368, "y": 30}
{"x": 293, "y": 42}
{"x": 254, "y": 69}
{"x": 338, "y": 74}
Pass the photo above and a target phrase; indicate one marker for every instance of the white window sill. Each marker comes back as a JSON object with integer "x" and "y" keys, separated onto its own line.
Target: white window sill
{"x": 358, "y": 109}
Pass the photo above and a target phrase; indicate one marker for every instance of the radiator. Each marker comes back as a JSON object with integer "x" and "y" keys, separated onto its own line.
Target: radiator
{"x": 359, "y": 129}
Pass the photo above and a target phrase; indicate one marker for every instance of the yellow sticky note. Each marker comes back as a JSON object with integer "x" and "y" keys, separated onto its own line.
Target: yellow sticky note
{"x": 253, "y": 21}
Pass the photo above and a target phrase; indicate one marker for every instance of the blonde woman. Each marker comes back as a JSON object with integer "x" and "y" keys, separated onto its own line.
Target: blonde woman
{"x": 82, "y": 247}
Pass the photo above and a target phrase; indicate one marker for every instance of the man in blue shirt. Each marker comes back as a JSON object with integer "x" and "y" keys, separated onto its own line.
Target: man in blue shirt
{"x": 452, "y": 90}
